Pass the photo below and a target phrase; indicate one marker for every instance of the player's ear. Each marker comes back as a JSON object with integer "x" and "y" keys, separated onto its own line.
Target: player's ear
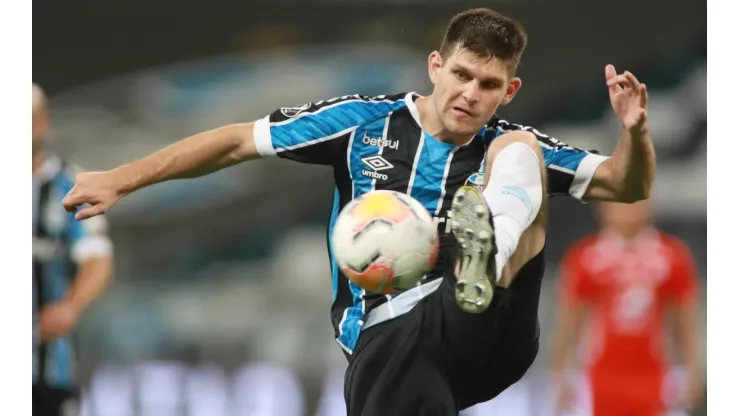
{"x": 435, "y": 66}
{"x": 511, "y": 90}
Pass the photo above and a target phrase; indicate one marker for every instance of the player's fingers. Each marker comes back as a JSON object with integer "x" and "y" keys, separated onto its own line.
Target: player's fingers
{"x": 72, "y": 200}
{"x": 617, "y": 81}
{"x": 643, "y": 96}
{"x": 610, "y": 71}
{"x": 70, "y": 207}
{"x": 89, "y": 212}
{"x": 632, "y": 81}
{"x": 613, "y": 84}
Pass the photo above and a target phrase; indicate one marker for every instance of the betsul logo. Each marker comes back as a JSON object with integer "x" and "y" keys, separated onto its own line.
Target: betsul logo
{"x": 379, "y": 142}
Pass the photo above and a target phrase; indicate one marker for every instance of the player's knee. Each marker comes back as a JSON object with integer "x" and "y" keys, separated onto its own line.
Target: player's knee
{"x": 507, "y": 139}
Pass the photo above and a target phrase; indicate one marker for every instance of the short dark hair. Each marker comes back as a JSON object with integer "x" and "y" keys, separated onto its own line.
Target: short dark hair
{"x": 486, "y": 33}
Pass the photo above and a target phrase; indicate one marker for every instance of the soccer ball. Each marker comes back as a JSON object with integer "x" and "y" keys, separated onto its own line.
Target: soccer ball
{"x": 384, "y": 241}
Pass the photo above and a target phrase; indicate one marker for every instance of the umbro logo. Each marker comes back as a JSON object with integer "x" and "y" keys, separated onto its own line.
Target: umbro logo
{"x": 377, "y": 163}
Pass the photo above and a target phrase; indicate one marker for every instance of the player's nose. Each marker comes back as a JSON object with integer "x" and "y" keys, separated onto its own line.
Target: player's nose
{"x": 471, "y": 93}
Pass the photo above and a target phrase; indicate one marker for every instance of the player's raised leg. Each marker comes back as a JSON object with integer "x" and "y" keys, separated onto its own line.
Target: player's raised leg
{"x": 493, "y": 226}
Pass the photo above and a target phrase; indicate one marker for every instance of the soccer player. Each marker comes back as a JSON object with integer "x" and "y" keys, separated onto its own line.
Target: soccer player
{"x": 71, "y": 266}
{"x": 441, "y": 346}
{"x": 624, "y": 280}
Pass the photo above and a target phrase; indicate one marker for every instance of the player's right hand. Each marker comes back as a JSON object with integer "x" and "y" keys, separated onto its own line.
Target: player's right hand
{"x": 96, "y": 189}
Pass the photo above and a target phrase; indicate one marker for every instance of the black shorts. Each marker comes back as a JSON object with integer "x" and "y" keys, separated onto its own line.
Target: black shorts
{"x": 438, "y": 360}
{"x": 50, "y": 401}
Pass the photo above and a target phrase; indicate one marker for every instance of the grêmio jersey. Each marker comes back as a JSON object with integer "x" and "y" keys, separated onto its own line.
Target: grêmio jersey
{"x": 376, "y": 143}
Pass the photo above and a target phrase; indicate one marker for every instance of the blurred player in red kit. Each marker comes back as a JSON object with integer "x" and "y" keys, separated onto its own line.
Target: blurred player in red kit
{"x": 623, "y": 281}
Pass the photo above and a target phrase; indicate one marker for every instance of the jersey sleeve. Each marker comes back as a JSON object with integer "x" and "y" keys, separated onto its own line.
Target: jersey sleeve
{"x": 569, "y": 169}
{"x": 316, "y": 132}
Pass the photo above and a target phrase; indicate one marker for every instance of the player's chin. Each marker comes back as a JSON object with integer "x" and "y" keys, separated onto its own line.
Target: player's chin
{"x": 469, "y": 127}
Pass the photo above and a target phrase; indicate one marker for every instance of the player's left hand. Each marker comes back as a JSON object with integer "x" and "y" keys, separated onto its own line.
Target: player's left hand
{"x": 629, "y": 99}
{"x": 57, "y": 320}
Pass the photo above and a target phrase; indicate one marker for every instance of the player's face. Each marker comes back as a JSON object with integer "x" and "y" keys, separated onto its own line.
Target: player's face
{"x": 468, "y": 89}
{"x": 626, "y": 219}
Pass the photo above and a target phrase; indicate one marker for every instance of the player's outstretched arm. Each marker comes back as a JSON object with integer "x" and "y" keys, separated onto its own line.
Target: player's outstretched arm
{"x": 628, "y": 175}
{"x": 312, "y": 133}
{"x": 194, "y": 156}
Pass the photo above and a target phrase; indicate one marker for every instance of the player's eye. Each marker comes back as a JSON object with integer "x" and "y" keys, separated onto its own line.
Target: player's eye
{"x": 489, "y": 85}
{"x": 461, "y": 76}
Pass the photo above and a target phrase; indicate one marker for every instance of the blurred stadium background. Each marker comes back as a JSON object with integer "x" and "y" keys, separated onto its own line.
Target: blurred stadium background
{"x": 221, "y": 299}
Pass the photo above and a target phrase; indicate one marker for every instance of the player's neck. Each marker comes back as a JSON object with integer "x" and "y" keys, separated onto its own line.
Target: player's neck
{"x": 629, "y": 235}
{"x": 432, "y": 125}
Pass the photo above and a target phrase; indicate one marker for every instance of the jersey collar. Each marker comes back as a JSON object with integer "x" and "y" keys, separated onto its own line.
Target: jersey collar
{"x": 610, "y": 240}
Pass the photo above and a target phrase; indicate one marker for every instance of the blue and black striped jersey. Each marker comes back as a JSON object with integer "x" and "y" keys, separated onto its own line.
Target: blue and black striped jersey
{"x": 378, "y": 143}
{"x": 59, "y": 244}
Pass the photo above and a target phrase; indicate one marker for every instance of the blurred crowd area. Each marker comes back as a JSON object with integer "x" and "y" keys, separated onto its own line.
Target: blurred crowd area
{"x": 266, "y": 389}
{"x": 221, "y": 299}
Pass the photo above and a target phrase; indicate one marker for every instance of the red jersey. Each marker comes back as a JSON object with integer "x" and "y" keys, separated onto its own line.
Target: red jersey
{"x": 628, "y": 286}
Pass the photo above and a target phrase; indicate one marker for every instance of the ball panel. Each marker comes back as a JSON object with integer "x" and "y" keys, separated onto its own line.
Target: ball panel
{"x": 375, "y": 278}
{"x": 380, "y": 204}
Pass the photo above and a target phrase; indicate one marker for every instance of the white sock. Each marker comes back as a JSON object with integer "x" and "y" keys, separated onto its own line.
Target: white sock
{"x": 514, "y": 196}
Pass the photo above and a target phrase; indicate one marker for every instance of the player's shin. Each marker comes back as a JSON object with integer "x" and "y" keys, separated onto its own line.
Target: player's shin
{"x": 514, "y": 196}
